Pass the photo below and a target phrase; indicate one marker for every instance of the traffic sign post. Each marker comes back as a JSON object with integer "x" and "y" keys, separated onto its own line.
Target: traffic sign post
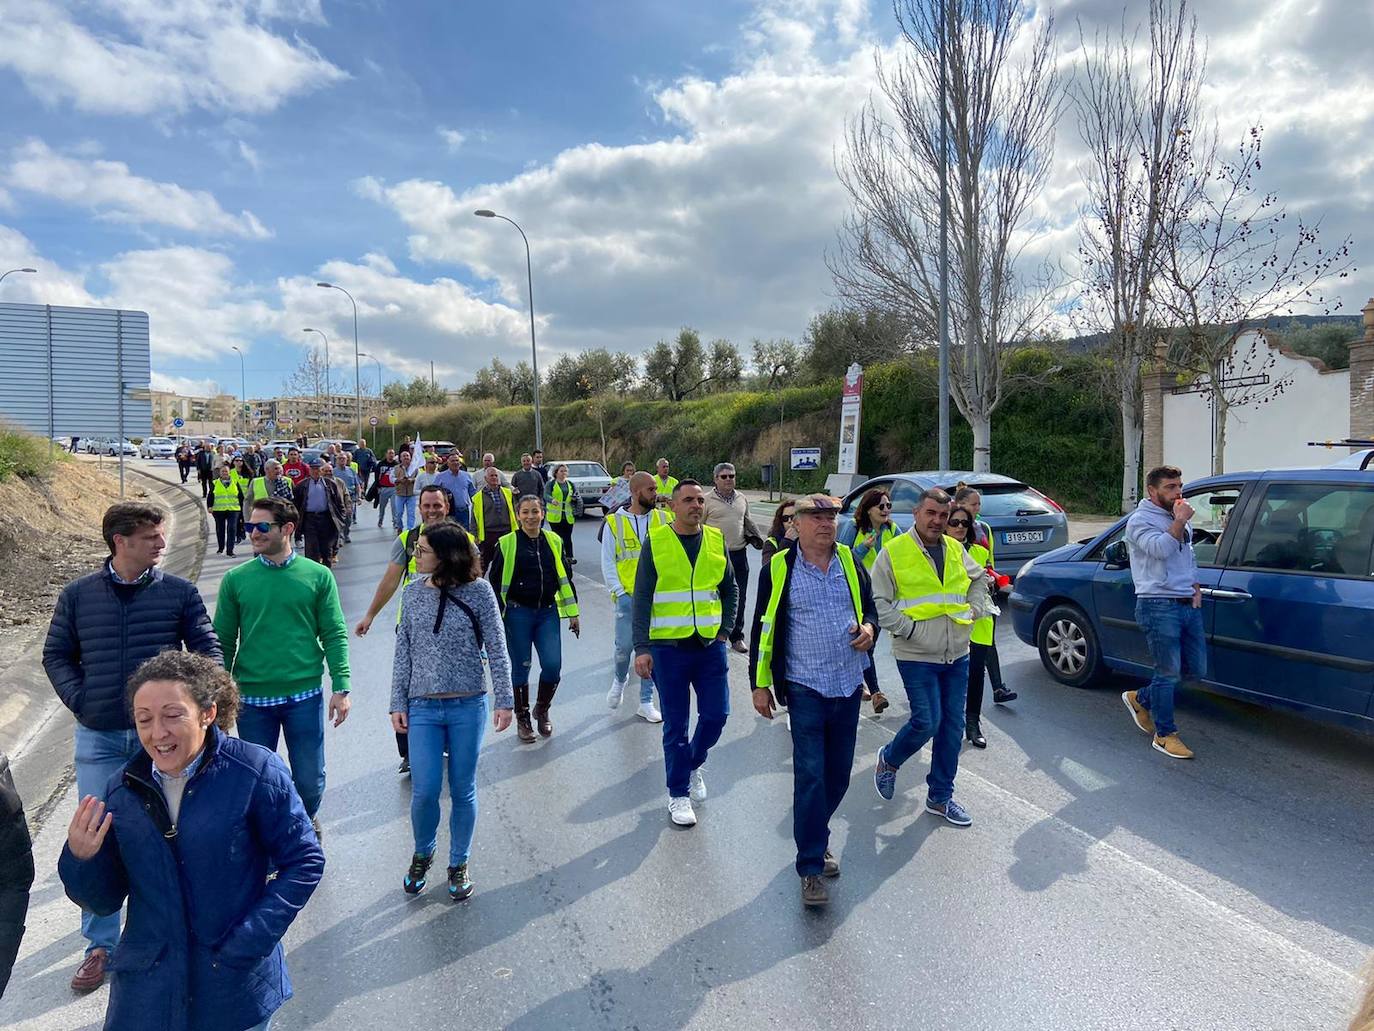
{"x": 806, "y": 458}
{"x": 178, "y": 422}
{"x": 372, "y": 421}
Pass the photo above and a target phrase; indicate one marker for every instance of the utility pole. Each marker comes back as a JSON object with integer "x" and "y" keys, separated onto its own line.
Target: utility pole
{"x": 944, "y": 241}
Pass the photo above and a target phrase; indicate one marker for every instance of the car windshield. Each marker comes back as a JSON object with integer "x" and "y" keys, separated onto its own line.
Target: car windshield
{"x": 586, "y": 469}
{"x": 1012, "y": 499}
{"x": 158, "y": 440}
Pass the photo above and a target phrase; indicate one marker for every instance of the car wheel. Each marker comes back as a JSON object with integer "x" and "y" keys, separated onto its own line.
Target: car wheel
{"x": 1068, "y": 647}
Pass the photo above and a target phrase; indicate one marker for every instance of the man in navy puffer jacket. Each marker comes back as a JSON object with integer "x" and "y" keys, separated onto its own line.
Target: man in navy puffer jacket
{"x": 106, "y": 624}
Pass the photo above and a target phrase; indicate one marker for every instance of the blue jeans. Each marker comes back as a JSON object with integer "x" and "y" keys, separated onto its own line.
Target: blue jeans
{"x": 302, "y": 724}
{"x": 385, "y": 495}
{"x": 402, "y": 511}
{"x": 678, "y": 671}
{"x": 937, "y": 694}
{"x": 625, "y": 646}
{"x": 455, "y": 725}
{"x": 1178, "y": 646}
{"x": 100, "y": 754}
{"x": 534, "y": 630}
{"x": 823, "y": 734}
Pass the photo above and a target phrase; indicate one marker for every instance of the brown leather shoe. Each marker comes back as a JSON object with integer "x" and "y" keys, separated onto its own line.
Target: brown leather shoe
{"x": 740, "y": 647}
{"x": 832, "y": 865}
{"x": 524, "y": 730}
{"x": 813, "y": 891}
{"x": 90, "y": 975}
{"x": 879, "y": 701}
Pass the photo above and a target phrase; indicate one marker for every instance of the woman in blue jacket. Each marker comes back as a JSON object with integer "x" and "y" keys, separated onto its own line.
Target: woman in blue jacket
{"x": 188, "y": 833}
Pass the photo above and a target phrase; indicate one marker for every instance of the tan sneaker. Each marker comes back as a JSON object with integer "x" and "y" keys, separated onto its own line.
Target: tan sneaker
{"x": 1139, "y": 713}
{"x": 1172, "y": 747}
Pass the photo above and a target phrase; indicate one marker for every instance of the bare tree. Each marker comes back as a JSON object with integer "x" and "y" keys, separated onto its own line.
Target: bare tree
{"x": 1237, "y": 264}
{"x": 307, "y": 378}
{"x": 1139, "y": 126}
{"x": 1002, "y": 113}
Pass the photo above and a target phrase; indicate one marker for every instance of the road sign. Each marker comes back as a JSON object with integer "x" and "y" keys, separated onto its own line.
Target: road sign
{"x": 372, "y": 421}
{"x": 247, "y": 408}
{"x": 178, "y": 422}
{"x": 806, "y": 458}
{"x": 269, "y": 425}
{"x": 391, "y": 419}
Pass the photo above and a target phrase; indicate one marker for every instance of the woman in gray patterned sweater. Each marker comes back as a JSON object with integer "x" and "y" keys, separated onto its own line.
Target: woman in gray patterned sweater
{"x": 439, "y": 693}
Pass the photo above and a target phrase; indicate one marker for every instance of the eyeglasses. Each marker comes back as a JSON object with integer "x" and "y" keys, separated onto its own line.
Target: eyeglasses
{"x": 725, "y": 476}
{"x": 885, "y": 506}
{"x": 423, "y": 549}
{"x": 265, "y": 527}
{"x": 959, "y": 522}
{"x": 787, "y": 518}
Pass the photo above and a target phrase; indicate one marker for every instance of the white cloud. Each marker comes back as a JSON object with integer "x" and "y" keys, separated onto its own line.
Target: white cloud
{"x": 453, "y": 139}
{"x": 250, "y": 156}
{"x": 184, "y": 385}
{"x": 113, "y": 192}
{"x": 152, "y": 56}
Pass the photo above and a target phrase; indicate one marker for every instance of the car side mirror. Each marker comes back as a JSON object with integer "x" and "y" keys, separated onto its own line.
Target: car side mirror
{"x": 1116, "y": 556}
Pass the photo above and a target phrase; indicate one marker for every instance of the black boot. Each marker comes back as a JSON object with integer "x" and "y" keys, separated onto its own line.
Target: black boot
{"x": 541, "y": 707}
{"x": 523, "y": 729}
{"x": 974, "y": 732}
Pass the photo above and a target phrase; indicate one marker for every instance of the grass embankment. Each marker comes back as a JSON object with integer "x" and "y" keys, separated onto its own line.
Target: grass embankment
{"x": 22, "y": 454}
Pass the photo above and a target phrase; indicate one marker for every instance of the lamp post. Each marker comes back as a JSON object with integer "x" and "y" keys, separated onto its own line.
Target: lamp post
{"x": 944, "y": 242}
{"x": 534, "y": 351}
{"x": 13, "y": 270}
{"x": 379, "y": 372}
{"x": 328, "y": 397}
{"x": 357, "y": 363}
{"x": 243, "y": 391}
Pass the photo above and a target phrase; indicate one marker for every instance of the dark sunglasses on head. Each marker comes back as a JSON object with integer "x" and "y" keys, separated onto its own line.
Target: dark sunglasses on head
{"x": 264, "y": 527}
{"x": 959, "y": 522}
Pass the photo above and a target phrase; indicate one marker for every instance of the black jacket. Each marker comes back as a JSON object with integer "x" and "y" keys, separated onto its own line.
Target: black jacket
{"x": 333, "y": 490}
{"x": 101, "y": 631}
{"x": 16, "y": 872}
{"x": 765, "y": 592}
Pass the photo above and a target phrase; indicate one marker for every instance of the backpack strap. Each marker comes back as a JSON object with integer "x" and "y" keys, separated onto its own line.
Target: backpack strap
{"x": 444, "y": 598}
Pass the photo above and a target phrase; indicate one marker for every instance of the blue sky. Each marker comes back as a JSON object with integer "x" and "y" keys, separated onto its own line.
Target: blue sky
{"x": 208, "y": 160}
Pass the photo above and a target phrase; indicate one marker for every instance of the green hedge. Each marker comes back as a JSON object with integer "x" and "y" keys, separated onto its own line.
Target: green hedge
{"x": 1052, "y": 430}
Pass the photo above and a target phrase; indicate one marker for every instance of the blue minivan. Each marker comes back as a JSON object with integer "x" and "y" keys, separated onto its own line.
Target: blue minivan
{"x": 1286, "y": 562}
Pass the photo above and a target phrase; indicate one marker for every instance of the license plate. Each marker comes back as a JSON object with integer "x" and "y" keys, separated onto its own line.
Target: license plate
{"x": 1024, "y": 537}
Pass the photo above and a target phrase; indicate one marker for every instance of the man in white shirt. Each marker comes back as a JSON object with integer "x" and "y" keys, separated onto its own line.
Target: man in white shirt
{"x": 621, "y": 542}
{"x": 728, "y": 511}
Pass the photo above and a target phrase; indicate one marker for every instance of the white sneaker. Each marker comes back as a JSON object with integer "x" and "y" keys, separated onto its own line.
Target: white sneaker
{"x": 648, "y": 713}
{"x": 616, "y": 692}
{"x": 698, "y": 788}
{"x": 680, "y": 811}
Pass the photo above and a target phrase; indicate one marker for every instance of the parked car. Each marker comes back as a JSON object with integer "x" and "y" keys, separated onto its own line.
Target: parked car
{"x": 591, "y": 480}
{"x": 92, "y": 445}
{"x": 1284, "y": 559}
{"x": 157, "y": 447}
{"x": 285, "y": 445}
{"x": 1024, "y": 522}
{"x": 442, "y": 448}
{"x": 113, "y": 445}
{"x": 340, "y": 442}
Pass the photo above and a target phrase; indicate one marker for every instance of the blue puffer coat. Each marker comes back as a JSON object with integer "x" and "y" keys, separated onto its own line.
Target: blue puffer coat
{"x": 101, "y": 631}
{"x": 201, "y": 948}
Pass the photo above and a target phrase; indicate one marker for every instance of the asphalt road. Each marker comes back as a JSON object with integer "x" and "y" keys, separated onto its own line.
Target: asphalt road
{"x": 1101, "y": 885}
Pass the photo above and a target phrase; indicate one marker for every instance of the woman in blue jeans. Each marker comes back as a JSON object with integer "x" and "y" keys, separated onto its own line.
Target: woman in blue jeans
{"x": 535, "y": 593}
{"x": 439, "y": 694}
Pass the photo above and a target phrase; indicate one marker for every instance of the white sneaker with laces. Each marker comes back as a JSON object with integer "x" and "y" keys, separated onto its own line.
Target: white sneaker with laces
{"x": 616, "y": 692}
{"x": 680, "y": 811}
{"x": 698, "y": 788}
{"x": 648, "y": 713}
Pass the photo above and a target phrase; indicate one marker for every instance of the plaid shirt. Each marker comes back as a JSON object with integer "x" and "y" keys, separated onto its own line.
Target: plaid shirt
{"x": 820, "y": 613}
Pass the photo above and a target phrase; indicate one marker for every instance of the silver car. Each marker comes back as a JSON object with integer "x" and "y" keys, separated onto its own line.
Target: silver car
{"x": 591, "y": 480}
{"x": 157, "y": 447}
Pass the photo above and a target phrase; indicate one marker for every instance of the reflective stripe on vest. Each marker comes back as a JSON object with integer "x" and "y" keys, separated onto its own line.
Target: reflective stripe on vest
{"x": 687, "y": 595}
{"x": 479, "y": 508}
{"x": 628, "y": 545}
{"x": 982, "y": 628}
{"x": 665, "y": 486}
{"x": 876, "y": 543}
{"x": 226, "y": 496}
{"x": 560, "y": 503}
{"x": 566, "y": 601}
{"x": 920, "y": 593}
{"x": 778, "y": 573}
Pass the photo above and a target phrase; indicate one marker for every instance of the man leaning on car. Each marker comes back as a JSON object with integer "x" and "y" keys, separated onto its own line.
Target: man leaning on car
{"x": 1168, "y": 604}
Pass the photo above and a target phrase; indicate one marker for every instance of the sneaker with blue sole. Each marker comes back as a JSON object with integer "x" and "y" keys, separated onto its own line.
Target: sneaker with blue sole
{"x": 884, "y": 777}
{"x": 952, "y": 811}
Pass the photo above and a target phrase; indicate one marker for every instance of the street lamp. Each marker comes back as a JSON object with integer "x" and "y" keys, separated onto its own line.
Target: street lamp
{"x": 379, "y": 371}
{"x": 243, "y": 391}
{"x": 328, "y": 397}
{"x": 534, "y": 351}
{"x": 13, "y": 270}
{"x": 357, "y": 364}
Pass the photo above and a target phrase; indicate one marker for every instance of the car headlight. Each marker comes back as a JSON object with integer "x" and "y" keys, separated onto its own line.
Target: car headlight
{"x": 1022, "y": 571}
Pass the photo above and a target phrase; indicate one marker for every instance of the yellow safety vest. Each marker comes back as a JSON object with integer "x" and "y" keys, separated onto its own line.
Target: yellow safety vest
{"x": 876, "y": 543}
{"x": 778, "y": 572}
{"x": 920, "y": 593}
{"x": 627, "y": 544}
{"x": 567, "y": 602}
{"x": 665, "y": 486}
{"x": 560, "y": 503}
{"x": 686, "y": 597}
{"x": 982, "y": 628}
{"x": 226, "y": 496}
{"x": 478, "y": 507}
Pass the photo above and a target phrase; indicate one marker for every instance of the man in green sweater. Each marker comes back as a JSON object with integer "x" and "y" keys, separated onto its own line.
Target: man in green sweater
{"x": 279, "y": 620}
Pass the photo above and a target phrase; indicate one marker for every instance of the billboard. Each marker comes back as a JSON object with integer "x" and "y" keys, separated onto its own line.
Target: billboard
{"x": 75, "y": 371}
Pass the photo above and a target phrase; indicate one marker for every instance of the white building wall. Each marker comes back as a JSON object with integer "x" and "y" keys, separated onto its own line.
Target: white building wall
{"x": 1315, "y": 405}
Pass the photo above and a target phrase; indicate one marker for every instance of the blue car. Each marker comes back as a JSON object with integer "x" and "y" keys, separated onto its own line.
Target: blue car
{"x": 1286, "y": 563}
{"x": 1024, "y": 522}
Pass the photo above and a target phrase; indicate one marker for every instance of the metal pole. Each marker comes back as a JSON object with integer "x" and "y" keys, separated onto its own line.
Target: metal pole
{"x": 52, "y": 428}
{"x": 119, "y": 380}
{"x": 243, "y": 391}
{"x": 534, "y": 349}
{"x": 944, "y": 242}
{"x": 328, "y": 397}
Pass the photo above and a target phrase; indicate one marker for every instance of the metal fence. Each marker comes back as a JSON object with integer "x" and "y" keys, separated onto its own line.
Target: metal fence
{"x": 75, "y": 371}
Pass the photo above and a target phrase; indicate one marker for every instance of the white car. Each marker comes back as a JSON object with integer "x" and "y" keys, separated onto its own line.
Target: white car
{"x": 157, "y": 447}
{"x": 591, "y": 480}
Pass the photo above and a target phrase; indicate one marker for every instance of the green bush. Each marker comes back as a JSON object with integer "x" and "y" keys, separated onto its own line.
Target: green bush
{"x": 1052, "y": 430}
{"x": 23, "y": 454}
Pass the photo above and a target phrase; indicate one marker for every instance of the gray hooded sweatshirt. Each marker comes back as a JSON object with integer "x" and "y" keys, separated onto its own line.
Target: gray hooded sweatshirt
{"x": 1162, "y": 566}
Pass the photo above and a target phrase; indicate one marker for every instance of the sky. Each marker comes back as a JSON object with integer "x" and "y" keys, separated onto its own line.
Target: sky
{"x": 208, "y": 161}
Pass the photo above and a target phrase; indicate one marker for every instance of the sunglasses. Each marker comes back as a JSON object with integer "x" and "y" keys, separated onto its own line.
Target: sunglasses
{"x": 265, "y": 527}
{"x": 959, "y": 522}
{"x": 885, "y": 506}
{"x": 727, "y": 476}
{"x": 787, "y": 518}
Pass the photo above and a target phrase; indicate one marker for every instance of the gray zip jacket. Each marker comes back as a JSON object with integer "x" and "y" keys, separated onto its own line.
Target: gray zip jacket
{"x": 927, "y": 640}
